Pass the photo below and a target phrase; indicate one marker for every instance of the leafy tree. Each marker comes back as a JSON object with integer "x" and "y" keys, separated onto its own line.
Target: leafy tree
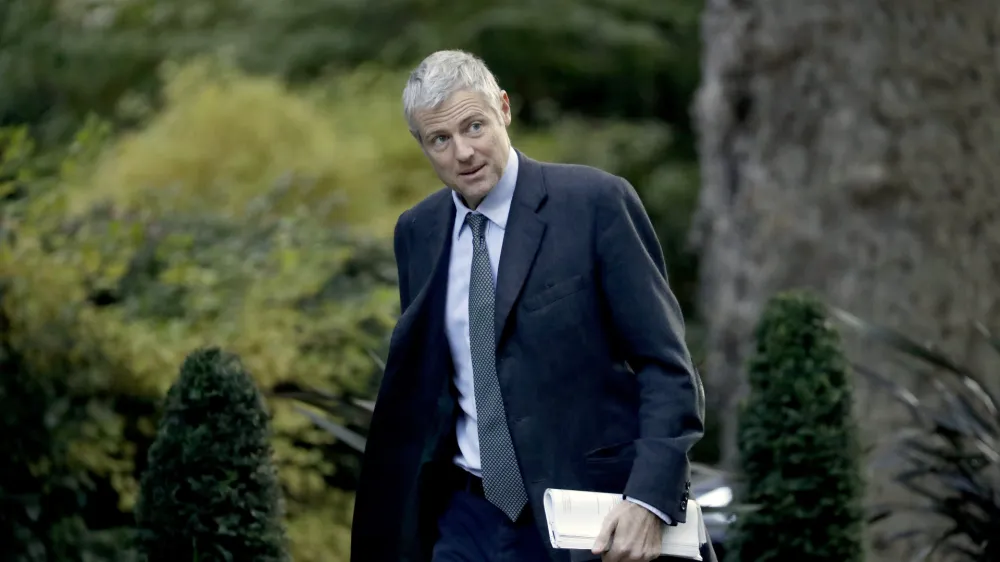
{"x": 211, "y": 492}
{"x": 798, "y": 443}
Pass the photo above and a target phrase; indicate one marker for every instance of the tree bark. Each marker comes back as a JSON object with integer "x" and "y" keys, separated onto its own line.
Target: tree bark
{"x": 851, "y": 147}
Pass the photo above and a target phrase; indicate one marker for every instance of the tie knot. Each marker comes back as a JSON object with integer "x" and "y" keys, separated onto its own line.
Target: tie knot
{"x": 477, "y": 223}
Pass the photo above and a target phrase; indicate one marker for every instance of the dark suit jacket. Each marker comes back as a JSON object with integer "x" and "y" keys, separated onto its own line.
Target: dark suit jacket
{"x": 599, "y": 387}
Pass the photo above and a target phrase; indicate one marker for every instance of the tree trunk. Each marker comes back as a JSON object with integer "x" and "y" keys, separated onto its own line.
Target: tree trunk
{"x": 852, "y": 147}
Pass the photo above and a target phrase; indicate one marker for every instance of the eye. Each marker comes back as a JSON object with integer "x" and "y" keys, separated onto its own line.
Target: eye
{"x": 439, "y": 140}
{"x": 476, "y": 126}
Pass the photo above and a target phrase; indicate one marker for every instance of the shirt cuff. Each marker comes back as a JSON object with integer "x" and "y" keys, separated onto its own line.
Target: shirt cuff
{"x": 656, "y": 512}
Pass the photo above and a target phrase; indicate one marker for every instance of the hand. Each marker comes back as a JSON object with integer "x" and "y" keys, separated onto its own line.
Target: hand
{"x": 631, "y": 533}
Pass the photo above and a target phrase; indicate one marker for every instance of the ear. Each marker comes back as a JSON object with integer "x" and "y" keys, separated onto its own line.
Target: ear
{"x": 505, "y": 108}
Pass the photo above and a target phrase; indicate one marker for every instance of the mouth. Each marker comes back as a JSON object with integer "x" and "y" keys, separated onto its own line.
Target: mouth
{"x": 472, "y": 172}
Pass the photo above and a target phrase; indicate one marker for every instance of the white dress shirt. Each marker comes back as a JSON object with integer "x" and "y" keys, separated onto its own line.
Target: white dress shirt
{"x": 495, "y": 207}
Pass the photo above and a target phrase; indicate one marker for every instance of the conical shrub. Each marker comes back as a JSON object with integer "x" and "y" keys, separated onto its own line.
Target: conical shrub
{"x": 211, "y": 492}
{"x": 798, "y": 443}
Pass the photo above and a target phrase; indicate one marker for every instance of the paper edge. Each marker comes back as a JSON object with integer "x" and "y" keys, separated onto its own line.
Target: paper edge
{"x": 548, "y": 504}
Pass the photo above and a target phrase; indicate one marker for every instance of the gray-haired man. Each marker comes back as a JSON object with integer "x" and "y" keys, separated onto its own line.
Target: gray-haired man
{"x": 539, "y": 347}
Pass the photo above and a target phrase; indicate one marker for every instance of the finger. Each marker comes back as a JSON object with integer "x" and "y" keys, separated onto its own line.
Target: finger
{"x": 602, "y": 543}
{"x": 613, "y": 554}
{"x": 636, "y": 555}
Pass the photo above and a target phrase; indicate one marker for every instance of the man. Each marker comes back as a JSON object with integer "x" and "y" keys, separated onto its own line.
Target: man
{"x": 539, "y": 347}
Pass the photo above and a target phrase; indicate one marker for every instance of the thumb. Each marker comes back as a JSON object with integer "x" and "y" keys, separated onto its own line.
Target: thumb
{"x": 603, "y": 541}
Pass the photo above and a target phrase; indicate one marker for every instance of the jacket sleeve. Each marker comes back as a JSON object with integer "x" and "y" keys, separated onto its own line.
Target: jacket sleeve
{"x": 401, "y": 249}
{"x": 649, "y": 327}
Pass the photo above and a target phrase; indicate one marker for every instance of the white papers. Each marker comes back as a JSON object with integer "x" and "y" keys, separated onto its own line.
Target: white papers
{"x": 575, "y": 518}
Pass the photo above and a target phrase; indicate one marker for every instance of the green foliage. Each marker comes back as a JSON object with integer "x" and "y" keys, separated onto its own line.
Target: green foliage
{"x": 63, "y": 60}
{"x": 161, "y": 241}
{"x": 62, "y": 435}
{"x": 798, "y": 443}
{"x": 949, "y": 457}
{"x": 553, "y": 55}
{"x": 210, "y": 492}
{"x": 37, "y": 470}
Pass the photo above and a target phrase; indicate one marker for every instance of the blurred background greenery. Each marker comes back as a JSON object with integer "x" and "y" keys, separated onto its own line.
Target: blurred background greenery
{"x": 228, "y": 173}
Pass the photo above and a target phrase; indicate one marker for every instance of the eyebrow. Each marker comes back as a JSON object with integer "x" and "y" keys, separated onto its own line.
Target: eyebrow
{"x": 477, "y": 116}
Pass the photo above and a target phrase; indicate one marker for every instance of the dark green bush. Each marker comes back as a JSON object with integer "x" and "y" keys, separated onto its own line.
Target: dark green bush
{"x": 210, "y": 492}
{"x": 798, "y": 444}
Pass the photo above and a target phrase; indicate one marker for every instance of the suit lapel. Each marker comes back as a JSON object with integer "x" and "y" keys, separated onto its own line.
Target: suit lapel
{"x": 522, "y": 238}
{"x": 437, "y": 244}
{"x": 429, "y": 256}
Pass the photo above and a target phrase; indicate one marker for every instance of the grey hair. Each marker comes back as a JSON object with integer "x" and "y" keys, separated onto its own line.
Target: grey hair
{"x": 442, "y": 74}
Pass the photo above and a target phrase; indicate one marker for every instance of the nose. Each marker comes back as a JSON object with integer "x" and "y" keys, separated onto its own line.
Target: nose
{"x": 463, "y": 149}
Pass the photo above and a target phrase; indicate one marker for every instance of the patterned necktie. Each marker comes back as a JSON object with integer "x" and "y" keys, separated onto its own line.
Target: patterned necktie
{"x": 502, "y": 482}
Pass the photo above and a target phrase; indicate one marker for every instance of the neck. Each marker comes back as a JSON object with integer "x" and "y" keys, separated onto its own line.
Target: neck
{"x": 472, "y": 204}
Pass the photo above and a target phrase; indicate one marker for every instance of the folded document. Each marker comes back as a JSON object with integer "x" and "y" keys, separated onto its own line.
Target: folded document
{"x": 575, "y": 518}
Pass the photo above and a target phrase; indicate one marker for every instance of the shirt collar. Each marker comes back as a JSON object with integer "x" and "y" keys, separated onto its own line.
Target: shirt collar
{"x": 496, "y": 205}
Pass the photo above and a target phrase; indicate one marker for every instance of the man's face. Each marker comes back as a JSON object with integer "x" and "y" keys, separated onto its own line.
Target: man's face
{"x": 466, "y": 142}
